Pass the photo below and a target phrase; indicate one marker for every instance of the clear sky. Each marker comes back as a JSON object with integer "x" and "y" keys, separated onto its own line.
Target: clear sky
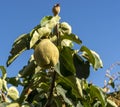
{"x": 96, "y": 22}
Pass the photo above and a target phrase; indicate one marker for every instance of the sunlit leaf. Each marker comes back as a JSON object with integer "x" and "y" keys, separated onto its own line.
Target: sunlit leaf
{"x": 13, "y": 93}
{"x": 37, "y": 34}
{"x": 110, "y": 103}
{"x": 62, "y": 92}
{"x": 13, "y": 105}
{"x": 74, "y": 83}
{"x": 88, "y": 55}
{"x": 2, "y": 68}
{"x": 50, "y": 21}
{"x": 65, "y": 28}
{"x": 96, "y": 92}
{"x": 45, "y": 20}
{"x": 98, "y": 61}
{"x": 92, "y": 57}
{"x": 72, "y": 37}
{"x": 1, "y": 84}
{"x": 67, "y": 43}
{"x": 5, "y": 88}
{"x": 57, "y": 68}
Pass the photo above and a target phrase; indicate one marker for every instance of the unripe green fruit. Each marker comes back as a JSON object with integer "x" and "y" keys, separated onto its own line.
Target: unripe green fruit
{"x": 46, "y": 54}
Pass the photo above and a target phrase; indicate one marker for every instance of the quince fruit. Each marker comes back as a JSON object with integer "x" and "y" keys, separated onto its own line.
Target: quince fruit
{"x": 46, "y": 54}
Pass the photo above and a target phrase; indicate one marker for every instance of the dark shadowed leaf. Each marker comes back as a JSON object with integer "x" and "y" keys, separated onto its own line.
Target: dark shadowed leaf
{"x": 23, "y": 36}
{"x": 66, "y": 59}
{"x": 15, "y": 81}
{"x": 28, "y": 70}
{"x": 82, "y": 67}
{"x": 57, "y": 101}
{"x": 20, "y": 45}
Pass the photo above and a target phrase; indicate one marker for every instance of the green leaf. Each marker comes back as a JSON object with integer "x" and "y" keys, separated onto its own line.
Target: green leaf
{"x": 96, "y": 92}
{"x": 57, "y": 68}
{"x": 5, "y": 88}
{"x": 111, "y": 83}
{"x": 14, "y": 81}
{"x": 4, "y": 74}
{"x": 74, "y": 83}
{"x": 64, "y": 28}
{"x": 88, "y": 55}
{"x": 62, "y": 92}
{"x": 1, "y": 84}
{"x": 111, "y": 103}
{"x": 44, "y": 86}
{"x": 50, "y": 21}
{"x": 92, "y": 57}
{"x": 57, "y": 101}
{"x": 45, "y": 20}
{"x": 66, "y": 43}
{"x": 79, "y": 104}
{"x": 98, "y": 61}
{"x": 82, "y": 67}
{"x": 23, "y": 36}
{"x": 13, "y": 93}
{"x": 12, "y": 105}
{"x": 4, "y": 104}
{"x": 38, "y": 34}
{"x": 19, "y": 46}
{"x": 65, "y": 54}
{"x": 28, "y": 69}
{"x": 72, "y": 37}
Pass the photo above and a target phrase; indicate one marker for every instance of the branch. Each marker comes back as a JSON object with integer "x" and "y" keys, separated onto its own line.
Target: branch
{"x": 51, "y": 90}
{"x": 54, "y": 72}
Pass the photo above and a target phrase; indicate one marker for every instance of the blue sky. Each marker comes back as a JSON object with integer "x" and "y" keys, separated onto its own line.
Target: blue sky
{"x": 96, "y": 22}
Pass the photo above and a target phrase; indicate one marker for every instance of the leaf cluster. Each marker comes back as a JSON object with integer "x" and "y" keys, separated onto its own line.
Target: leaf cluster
{"x": 69, "y": 88}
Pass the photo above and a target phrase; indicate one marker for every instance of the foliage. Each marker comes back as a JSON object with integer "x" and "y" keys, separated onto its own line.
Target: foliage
{"x": 63, "y": 85}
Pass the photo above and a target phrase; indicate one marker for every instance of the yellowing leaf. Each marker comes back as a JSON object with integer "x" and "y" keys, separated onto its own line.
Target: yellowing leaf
{"x": 13, "y": 93}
